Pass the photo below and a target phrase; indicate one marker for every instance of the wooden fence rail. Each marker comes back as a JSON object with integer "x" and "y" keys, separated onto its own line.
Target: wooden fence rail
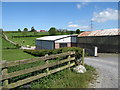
{"x": 6, "y": 76}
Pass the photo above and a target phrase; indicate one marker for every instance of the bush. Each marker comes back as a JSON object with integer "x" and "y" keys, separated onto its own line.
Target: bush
{"x": 53, "y": 51}
{"x": 18, "y": 46}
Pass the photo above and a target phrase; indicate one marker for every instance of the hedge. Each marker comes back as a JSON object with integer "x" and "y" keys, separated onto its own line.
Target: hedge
{"x": 40, "y": 53}
{"x": 29, "y": 36}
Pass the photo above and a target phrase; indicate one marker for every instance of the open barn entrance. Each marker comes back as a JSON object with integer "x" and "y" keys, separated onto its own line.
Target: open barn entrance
{"x": 63, "y": 45}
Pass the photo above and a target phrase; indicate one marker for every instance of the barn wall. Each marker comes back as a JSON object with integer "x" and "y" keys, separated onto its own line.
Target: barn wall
{"x": 104, "y": 43}
{"x": 57, "y": 45}
{"x": 73, "y": 44}
{"x": 40, "y": 44}
{"x": 73, "y": 39}
{"x": 69, "y": 45}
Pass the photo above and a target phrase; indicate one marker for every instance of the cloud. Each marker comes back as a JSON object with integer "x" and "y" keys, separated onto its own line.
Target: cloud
{"x": 70, "y": 22}
{"x": 81, "y": 4}
{"x": 73, "y": 26}
{"x": 78, "y": 26}
{"x": 106, "y": 15}
{"x": 78, "y": 6}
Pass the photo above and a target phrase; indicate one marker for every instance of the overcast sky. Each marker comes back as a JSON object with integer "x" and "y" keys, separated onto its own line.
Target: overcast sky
{"x": 63, "y": 15}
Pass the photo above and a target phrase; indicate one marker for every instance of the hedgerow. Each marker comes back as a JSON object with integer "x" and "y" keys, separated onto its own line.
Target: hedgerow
{"x": 28, "y": 36}
{"x": 40, "y": 53}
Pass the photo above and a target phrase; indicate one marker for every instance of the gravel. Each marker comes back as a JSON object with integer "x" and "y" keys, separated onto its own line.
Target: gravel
{"x": 107, "y": 68}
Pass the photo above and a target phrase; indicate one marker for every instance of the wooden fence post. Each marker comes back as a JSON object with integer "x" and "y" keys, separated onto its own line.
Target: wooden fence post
{"x": 69, "y": 61}
{"x": 5, "y": 72}
{"x": 47, "y": 69}
{"x": 83, "y": 54}
{"x": 46, "y": 62}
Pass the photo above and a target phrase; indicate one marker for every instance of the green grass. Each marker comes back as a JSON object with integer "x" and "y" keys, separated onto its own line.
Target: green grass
{"x": 66, "y": 79}
{"x": 10, "y": 34}
{"x": 62, "y": 79}
{"x": 27, "y": 40}
{"x": 6, "y": 44}
{"x": 11, "y": 53}
{"x": 14, "y": 54}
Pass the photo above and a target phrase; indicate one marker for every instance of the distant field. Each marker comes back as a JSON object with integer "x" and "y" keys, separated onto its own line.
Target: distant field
{"x": 17, "y": 54}
{"x": 10, "y": 34}
{"x": 9, "y": 52}
{"x": 27, "y": 40}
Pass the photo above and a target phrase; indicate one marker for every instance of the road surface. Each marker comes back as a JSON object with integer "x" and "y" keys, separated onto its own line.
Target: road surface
{"x": 107, "y": 68}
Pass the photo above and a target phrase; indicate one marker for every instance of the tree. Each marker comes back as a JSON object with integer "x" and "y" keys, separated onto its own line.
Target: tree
{"x": 19, "y": 30}
{"x": 52, "y": 31}
{"x": 78, "y": 31}
{"x": 71, "y": 32}
{"x": 33, "y": 29}
{"x": 25, "y": 30}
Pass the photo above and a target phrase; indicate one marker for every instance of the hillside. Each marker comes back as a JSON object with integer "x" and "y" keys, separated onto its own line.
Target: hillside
{"x": 10, "y": 52}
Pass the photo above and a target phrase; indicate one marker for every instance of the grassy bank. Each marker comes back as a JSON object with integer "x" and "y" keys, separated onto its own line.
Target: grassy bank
{"x": 7, "y": 45}
{"x": 11, "y": 53}
{"x": 27, "y": 40}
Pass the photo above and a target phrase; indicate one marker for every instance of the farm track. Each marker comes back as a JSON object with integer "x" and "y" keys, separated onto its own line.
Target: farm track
{"x": 6, "y": 38}
{"x": 22, "y": 47}
{"x": 107, "y": 68}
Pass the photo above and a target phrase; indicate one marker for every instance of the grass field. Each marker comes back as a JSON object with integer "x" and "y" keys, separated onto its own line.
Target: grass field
{"x": 27, "y": 40}
{"x": 14, "y": 54}
{"x": 6, "y": 44}
{"x": 10, "y": 34}
{"x": 10, "y": 53}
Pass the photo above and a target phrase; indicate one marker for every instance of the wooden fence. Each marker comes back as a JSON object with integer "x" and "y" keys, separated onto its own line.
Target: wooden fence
{"x": 6, "y": 76}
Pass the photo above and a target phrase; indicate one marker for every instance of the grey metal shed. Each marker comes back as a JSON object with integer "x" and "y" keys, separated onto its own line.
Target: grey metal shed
{"x": 54, "y": 42}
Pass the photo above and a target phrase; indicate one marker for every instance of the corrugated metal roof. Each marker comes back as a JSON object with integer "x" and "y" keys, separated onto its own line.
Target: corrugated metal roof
{"x": 52, "y": 38}
{"x": 104, "y": 32}
{"x": 85, "y": 33}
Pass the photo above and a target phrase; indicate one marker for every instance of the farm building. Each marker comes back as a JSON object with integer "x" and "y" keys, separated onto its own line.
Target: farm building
{"x": 41, "y": 31}
{"x": 54, "y": 42}
{"x": 106, "y": 40}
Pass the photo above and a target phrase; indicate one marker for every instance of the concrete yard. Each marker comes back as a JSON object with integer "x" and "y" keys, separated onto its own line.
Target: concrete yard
{"x": 107, "y": 68}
